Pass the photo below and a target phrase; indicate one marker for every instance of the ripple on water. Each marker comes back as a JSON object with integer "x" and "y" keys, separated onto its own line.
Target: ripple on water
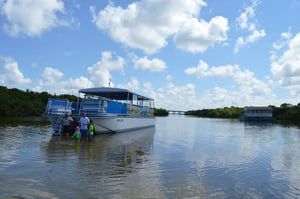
{"x": 14, "y": 187}
{"x": 184, "y": 158}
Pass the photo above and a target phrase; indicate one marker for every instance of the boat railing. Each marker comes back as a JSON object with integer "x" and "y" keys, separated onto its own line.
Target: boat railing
{"x": 93, "y": 107}
{"x": 58, "y": 106}
{"x": 93, "y": 111}
{"x": 101, "y": 107}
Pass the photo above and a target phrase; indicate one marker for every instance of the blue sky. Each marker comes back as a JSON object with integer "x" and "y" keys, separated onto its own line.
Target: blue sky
{"x": 186, "y": 54}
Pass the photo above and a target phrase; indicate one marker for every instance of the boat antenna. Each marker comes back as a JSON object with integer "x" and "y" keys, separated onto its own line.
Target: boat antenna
{"x": 109, "y": 82}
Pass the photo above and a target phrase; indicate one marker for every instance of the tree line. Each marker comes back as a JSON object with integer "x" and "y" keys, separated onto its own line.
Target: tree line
{"x": 227, "y": 112}
{"x": 18, "y": 103}
{"x": 285, "y": 113}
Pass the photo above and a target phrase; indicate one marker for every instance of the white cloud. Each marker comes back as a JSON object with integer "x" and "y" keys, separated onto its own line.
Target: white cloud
{"x": 247, "y": 88}
{"x": 203, "y": 70}
{"x": 132, "y": 85}
{"x": 285, "y": 37}
{"x": 170, "y": 95}
{"x": 32, "y": 17}
{"x": 250, "y": 85}
{"x": 199, "y": 70}
{"x": 243, "y": 19}
{"x": 153, "y": 65}
{"x": 286, "y": 68}
{"x": 147, "y": 25}
{"x": 99, "y": 73}
{"x": 52, "y": 81}
{"x": 73, "y": 85}
{"x": 244, "y": 22}
{"x": 52, "y": 75}
{"x": 11, "y": 75}
{"x": 220, "y": 97}
{"x": 253, "y": 37}
{"x": 148, "y": 90}
{"x": 196, "y": 36}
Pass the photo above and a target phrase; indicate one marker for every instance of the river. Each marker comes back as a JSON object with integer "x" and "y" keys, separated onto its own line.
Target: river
{"x": 182, "y": 157}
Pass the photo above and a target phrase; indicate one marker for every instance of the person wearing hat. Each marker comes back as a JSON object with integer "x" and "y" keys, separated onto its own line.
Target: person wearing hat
{"x": 67, "y": 124}
{"x": 77, "y": 134}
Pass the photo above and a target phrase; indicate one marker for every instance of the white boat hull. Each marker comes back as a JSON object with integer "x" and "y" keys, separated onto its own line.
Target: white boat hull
{"x": 113, "y": 124}
{"x": 121, "y": 123}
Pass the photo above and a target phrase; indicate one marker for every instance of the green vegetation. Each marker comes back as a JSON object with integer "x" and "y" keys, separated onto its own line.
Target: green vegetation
{"x": 18, "y": 103}
{"x": 286, "y": 113}
{"x": 232, "y": 112}
{"x": 161, "y": 112}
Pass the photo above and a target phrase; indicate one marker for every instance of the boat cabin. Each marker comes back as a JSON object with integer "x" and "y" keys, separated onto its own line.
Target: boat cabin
{"x": 104, "y": 102}
{"x": 257, "y": 113}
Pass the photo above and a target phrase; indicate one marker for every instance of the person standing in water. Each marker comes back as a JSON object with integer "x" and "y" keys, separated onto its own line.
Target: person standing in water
{"x": 91, "y": 131}
{"x": 84, "y": 122}
{"x": 67, "y": 124}
{"x": 77, "y": 134}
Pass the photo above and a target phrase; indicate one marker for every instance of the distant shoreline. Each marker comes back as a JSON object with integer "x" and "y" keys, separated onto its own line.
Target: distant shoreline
{"x": 39, "y": 120}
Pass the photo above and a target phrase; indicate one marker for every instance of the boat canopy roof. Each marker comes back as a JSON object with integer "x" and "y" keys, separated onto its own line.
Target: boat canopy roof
{"x": 113, "y": 93}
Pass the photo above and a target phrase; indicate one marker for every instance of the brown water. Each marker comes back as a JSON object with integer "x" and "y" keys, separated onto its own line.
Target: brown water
{"x": 182, "y": 157}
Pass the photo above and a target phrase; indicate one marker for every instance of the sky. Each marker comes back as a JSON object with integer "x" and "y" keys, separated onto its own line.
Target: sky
{"x": 185, "y": 54}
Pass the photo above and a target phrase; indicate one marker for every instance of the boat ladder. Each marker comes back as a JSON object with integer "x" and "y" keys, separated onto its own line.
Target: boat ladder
{"x": 58, "y": 127}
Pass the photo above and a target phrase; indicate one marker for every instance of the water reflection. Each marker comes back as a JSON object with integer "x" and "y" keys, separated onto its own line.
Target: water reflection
{"x": 122, "y": 149}
{"x": 180, "y": 158}
{"x": 102, "y": 163}
{"x": 230, "y": 159}
{"x": 61, "y": 166}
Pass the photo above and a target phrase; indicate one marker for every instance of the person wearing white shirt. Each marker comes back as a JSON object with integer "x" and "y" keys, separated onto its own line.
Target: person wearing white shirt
{"x": 84, "y": 122}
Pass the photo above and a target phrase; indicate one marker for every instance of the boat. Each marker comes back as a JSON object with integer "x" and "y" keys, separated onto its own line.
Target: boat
{"x": 257, "y": 114}
{"x": 112, "y": 110}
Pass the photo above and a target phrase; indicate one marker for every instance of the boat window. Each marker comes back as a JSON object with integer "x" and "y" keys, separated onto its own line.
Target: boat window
{"x": 91, "y": 97}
